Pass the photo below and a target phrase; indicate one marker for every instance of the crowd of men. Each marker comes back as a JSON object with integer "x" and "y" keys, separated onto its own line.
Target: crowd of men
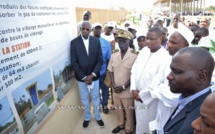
{"x": 160, "y": 75}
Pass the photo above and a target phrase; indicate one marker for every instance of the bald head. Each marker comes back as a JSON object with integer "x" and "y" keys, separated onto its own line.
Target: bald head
{"x": 86, "y": 15}
{"x": 156, "y": 30}
{"x": 210, "y": 100}
{"x": 86, "y": 23}
{"x": 194, "y": 28}
{"x": 86, "y": 28}
{"x": 205, "y": 124}
{"x": 203, "y": 31}
{"x": 200, "y": 58}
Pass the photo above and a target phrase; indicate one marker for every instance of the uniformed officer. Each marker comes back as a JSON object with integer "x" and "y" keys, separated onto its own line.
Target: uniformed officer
{"x": 120, "y": 66}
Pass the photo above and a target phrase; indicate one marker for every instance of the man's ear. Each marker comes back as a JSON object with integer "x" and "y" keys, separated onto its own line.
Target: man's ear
{"x": 186, "y": 44}
{"x": 203, "y": 74}
{"x": 160, "y": 38}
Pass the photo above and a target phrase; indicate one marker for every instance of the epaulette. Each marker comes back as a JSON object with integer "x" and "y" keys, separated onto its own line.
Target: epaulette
{"x": 135, "y": 52}
{"x": 115, "y": 50}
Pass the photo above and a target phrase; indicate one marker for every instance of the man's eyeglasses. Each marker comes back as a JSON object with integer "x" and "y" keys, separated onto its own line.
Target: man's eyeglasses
{"x": 85, "y": 29}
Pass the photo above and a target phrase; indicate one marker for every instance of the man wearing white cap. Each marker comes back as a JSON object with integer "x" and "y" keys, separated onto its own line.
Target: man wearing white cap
{"x": 126, "y": 24}
{"x": 182, "y": 37}
{"x": 158, "y": 23}
{"x": 106, "y": 53}
{"x": 141, "y": 40}
{"x": 108, "y": 35}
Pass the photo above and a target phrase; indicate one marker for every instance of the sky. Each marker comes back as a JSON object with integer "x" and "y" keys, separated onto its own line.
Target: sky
{"x": 6, "y": 111}
{"x": 60, "y": 65}
{"x": 139, "y": 5}
{"x": 128, "y": 4}
{"x": 43, "y": 80}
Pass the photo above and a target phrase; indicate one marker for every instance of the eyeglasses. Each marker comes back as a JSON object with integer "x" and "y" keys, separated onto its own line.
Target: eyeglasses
{"x": 85, "y": 29}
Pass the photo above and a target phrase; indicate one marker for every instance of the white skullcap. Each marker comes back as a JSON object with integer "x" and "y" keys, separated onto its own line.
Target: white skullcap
{"x": 97, "y": 24}
{"x": 127, "y": 22}
{"x": 110, "y": 24}
{"x": 114, "y": 23}
{"x": 160, "y": 18}
{"x": 185, "y": 32}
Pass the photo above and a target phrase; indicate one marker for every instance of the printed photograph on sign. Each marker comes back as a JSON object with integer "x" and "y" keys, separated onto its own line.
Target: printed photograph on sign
{"x": 34, "y": 101}
{"x": 8, "y": 124}
{"x": 64, "y": 78}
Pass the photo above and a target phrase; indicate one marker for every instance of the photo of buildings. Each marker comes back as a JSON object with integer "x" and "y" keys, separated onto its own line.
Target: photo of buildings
{"x": 34, "y": 100}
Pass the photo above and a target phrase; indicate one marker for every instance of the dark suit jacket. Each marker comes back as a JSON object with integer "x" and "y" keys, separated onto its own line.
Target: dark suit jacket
{"x": 181, "y": 123}
{"x": 85, "y": 64}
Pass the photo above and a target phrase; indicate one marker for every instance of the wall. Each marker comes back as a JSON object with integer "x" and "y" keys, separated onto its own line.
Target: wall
{"x": 101, "y": 15}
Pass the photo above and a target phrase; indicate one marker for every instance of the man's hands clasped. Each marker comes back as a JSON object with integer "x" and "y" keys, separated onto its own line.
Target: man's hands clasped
{"x": 88, "y": 79}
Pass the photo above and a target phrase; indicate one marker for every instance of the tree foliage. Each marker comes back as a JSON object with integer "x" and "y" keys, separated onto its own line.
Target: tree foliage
{"x": 211, "y": 8}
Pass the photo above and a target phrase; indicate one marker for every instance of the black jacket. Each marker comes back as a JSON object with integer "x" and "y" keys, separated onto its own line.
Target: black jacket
{"x": 84, "y": 64}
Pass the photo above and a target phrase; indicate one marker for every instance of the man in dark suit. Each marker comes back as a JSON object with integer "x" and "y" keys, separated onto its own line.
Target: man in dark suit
{"x": 86, "y": 59}
{"x": 191, "y": 71}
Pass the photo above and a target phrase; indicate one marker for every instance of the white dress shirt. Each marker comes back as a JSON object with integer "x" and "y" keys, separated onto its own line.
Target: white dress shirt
{"x": 86, "y": 43}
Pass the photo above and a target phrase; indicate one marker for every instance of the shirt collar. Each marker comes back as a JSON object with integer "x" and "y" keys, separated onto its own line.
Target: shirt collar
{"x": 192, "y": 97}
{"x": 84, "y": 38}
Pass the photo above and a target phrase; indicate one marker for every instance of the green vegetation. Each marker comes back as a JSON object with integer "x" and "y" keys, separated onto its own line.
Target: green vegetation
{"x": 49, "y": 102}
{"x": 21, "y": 104}
{"x": 6, "y": 125}
{"x": 210, "y": 8}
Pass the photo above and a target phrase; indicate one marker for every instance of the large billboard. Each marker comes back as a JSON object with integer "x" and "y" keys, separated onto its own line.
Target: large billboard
{"x": 35, "y": 71}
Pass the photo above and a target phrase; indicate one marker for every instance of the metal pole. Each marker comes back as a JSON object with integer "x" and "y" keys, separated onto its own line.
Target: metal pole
{"x": 193, "y": 7}
{"x": 181, "y": 7}
{"x": 204, "y": 7}
{"x": 170, "y": 12}
{"x": 197, "y": 5}
{"x": 201, "y": 7}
